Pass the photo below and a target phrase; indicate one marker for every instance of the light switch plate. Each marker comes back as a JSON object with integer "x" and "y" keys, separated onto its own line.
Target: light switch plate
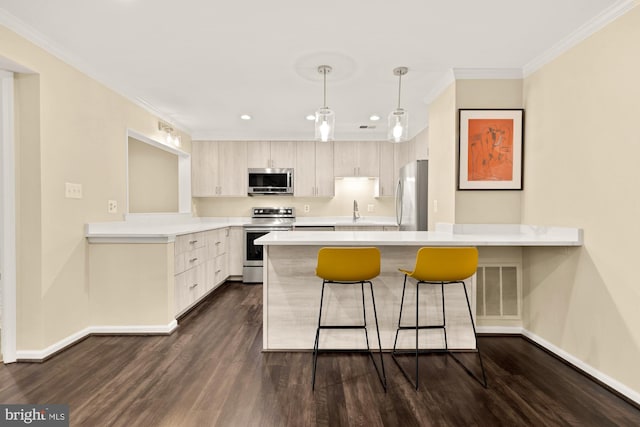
{"x": 72, "y": 190}
{"x": 370, "y": 208}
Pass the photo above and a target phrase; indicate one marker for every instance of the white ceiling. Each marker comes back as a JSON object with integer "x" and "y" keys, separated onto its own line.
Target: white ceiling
{"x": 201, "y": 63}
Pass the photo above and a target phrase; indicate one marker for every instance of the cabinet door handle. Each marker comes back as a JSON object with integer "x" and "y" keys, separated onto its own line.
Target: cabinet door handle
{"x": 193, "y": 259}
{"x": 193, "y": 286}
{"x": 193, "y": 242}
{"x": 217, "y": 243}
{"x": 218, "y": 271}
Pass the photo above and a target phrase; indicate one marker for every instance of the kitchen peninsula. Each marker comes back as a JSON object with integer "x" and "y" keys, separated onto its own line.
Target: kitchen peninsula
{"x": 291, "y": 292}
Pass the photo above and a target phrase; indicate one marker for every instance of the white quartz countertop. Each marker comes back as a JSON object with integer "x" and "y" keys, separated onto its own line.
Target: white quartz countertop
{"x": 444, "y": 235}
{"x": 162, "y": 228}
{"x": 155, "y": 229}
{"x": 332, "y": 221}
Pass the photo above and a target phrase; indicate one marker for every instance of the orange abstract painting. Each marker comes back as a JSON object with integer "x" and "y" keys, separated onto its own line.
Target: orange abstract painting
{"x": 490, "y": 150}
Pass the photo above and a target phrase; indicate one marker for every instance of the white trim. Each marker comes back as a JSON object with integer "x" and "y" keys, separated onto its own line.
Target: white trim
{"x": 506, "y": 330}
{"x": 487, "y": 73}
{"x": 569, "y": 358}
{"x": 606, "y": 17}
{"x": 614, "y": 384}
{"x": 442, "y": 84}
{"x": 136, "y": 329}
{"x": 40, "y": 40}
{"x": 26, "y": 355}
{"x": 8, "y": 218}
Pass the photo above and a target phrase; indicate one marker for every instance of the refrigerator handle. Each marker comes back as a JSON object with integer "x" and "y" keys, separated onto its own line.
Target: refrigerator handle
{"x": 399, "y": 202}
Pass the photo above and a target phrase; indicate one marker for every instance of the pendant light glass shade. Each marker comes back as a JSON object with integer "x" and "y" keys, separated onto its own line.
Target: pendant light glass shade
{"x": 398, "y": 130}
{"x": 398, "y": 125}
{"x": 325, "y": 124}
{"x": 325, "y": 117}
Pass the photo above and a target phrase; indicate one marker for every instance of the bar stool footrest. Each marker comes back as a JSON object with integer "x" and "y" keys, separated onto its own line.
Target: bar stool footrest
{"x": 413, "y": 328}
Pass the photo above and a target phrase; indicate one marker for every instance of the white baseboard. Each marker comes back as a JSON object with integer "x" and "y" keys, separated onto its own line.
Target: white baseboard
{"x": 605, "y": 379}
{"x": 136, "y": 330}
{"x": 500, "y": 330}
{"x": 41, "y": 355}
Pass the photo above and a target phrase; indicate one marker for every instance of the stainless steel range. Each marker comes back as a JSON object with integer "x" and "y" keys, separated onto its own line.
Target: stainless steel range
{"x": 263, "y": 221}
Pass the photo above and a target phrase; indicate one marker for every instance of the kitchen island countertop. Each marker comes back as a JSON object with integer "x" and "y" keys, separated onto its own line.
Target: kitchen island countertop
{"x": 444, "y": 235}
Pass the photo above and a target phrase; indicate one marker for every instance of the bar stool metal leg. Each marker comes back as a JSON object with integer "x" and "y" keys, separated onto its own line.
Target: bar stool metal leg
{"x": 383, "y": 378}
{"x": 400, "y": 327}
{"x": 315, "y": 345}
{"x": 483, "y": 382}
{"x": 379, "y": 369}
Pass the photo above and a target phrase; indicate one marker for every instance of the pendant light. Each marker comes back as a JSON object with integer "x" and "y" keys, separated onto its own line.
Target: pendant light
{"x": 398, "y": 119}
{"x": 325, "y": 118}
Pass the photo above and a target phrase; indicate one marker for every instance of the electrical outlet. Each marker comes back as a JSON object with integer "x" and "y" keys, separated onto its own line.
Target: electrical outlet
{"x": 370, "y": 208}
{"x": 307, "y": 208}
{"x": 112, "y": 206}
{"x": 72, "y": 191}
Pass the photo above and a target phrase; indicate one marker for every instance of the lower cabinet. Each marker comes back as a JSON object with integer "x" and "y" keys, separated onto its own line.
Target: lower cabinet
{"x": 200, "y": 265}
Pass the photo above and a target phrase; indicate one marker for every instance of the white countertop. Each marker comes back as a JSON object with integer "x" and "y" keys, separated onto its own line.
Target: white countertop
{"x": 150, "y": 229}
{"x": 332, "y": 221}
{"x": 444, "y": 235}
{"x": 163, "y": 228}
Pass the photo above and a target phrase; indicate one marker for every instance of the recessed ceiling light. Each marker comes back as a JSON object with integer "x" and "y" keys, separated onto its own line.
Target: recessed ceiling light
{"x": 374, "y": 117}
{"x": 311, "y": 117}
{"x": 245, "y": 117}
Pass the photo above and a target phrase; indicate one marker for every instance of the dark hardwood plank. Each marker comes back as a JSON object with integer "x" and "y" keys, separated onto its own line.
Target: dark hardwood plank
{"x": 211, "y": 372}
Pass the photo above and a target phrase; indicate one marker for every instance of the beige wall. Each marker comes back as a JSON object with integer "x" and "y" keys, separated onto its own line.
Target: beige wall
{"x": 581, "y": 169}
{"x": 487, "y": 207}
{"x": 70, "y": 129}
{"x": 442, "y": 157}
{"x": 153, "y": 178}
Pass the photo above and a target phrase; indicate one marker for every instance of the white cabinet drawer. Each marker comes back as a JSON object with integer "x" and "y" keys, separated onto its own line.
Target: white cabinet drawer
{"x": 188, "y": 242}
{"x": 216, "y": 242}
{"x": 186, "y": 260}
{"x": 189, "y": 286}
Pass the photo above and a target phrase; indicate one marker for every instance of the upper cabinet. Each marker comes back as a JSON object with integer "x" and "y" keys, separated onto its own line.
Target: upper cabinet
{"x": 356, "y": 158}
{"x": 219, "y": 168}
{"x": 271, "y": 154}
{"x": 392, "y": 158}
{"x": 314, "y": 174}
{"x": 388, "y": 171}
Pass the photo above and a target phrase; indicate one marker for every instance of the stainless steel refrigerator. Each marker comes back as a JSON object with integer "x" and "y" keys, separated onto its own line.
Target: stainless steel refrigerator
{"x": 411, "y": 196}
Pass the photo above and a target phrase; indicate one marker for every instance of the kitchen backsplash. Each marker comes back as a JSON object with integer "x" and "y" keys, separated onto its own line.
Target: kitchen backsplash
{"x": 346, "y": 191}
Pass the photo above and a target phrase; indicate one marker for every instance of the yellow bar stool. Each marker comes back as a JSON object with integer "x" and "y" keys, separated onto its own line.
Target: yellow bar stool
{"x": 349, "y": 266}
{"x": 439, "y": 266}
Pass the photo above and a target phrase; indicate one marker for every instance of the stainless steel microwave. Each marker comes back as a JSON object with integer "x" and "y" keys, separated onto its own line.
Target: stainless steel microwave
{"x": 270, "y": 181}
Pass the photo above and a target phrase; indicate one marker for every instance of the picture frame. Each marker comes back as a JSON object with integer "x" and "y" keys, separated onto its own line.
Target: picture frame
{"x": 490, "y": 151}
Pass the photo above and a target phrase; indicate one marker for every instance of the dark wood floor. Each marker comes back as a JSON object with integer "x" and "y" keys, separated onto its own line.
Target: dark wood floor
{"x": 211, "y": 371}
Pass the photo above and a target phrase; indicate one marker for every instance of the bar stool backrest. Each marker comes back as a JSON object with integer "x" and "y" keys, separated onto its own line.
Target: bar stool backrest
{"x": 348, "y": 264}
{"x": 445, "y": 264}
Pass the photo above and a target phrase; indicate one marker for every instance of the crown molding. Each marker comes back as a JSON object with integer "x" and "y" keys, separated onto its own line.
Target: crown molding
{"x": 40, "y": 40}
{"x": 445, "y": 81}
{"x": 487, "y": 73}
{"x": 606, "y": 17}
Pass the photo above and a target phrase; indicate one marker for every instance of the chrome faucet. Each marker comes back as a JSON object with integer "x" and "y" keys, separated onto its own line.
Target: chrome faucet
{"x": 356, "y": 213}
